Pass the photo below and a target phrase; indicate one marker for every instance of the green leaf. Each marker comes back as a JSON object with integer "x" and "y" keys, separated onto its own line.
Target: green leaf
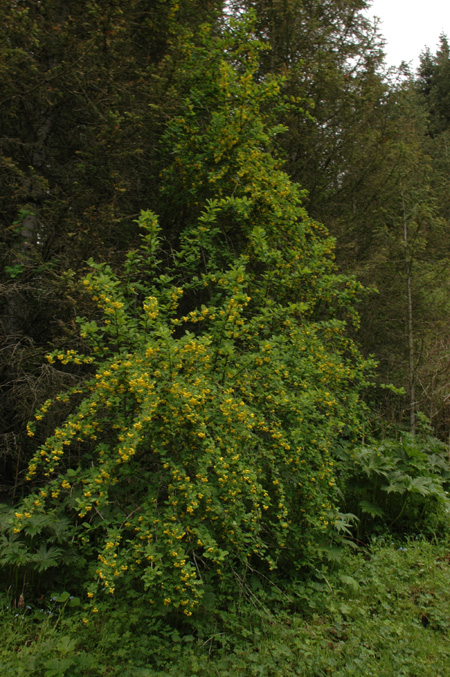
{"x": 371, "y": 509}
{"x": 349, "y": 581}
{"x": 61, "y": 597}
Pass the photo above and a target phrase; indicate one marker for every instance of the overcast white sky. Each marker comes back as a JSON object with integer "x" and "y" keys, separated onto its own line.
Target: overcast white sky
{"x": 410, "y": 25}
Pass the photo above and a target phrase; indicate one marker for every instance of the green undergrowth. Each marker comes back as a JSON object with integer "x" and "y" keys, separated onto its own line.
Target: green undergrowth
{"x": 384, "y": 611}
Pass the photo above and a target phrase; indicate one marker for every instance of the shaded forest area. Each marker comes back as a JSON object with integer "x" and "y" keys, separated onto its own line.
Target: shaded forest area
{"x": 224, "y": 297}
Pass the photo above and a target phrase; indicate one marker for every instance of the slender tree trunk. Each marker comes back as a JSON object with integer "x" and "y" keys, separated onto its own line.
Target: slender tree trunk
{"x": 412, "y": 389}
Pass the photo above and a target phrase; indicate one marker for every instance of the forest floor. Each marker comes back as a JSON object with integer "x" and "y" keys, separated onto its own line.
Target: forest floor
{"x": 380, "y": 611}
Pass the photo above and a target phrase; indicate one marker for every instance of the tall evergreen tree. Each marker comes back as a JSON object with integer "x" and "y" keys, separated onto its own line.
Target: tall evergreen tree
{"x": 433, "y": 81}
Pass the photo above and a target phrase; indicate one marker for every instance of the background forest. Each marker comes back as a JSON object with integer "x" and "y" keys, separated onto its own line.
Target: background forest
{"x": 224, "y": 362}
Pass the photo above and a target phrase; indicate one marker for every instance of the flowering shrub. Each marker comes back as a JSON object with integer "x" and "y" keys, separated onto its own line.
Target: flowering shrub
{"x": 221, "y": 377}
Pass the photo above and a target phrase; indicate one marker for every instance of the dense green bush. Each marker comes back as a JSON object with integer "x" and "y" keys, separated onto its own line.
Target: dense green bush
{"x": 218, "y": 377}
{"x": 398, "y": 485}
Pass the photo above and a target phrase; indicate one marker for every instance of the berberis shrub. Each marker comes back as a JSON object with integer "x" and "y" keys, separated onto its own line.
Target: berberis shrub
{"x": 219, "y": 376}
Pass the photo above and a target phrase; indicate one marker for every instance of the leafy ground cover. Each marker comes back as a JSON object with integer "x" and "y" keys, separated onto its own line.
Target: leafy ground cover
{"x": 382, "y": 611}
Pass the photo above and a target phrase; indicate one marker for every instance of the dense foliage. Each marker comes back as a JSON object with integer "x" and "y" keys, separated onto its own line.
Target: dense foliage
{"x": 179, "y": 328}
{"x": 386, "y": 610}
{"x": 202, "y": 446}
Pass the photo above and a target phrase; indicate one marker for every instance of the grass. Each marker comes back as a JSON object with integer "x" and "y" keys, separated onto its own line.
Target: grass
{"x": 383, "y": 612}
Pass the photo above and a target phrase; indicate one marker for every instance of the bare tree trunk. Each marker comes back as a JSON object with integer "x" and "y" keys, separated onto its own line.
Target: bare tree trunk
{"x": 412, "y": 387}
